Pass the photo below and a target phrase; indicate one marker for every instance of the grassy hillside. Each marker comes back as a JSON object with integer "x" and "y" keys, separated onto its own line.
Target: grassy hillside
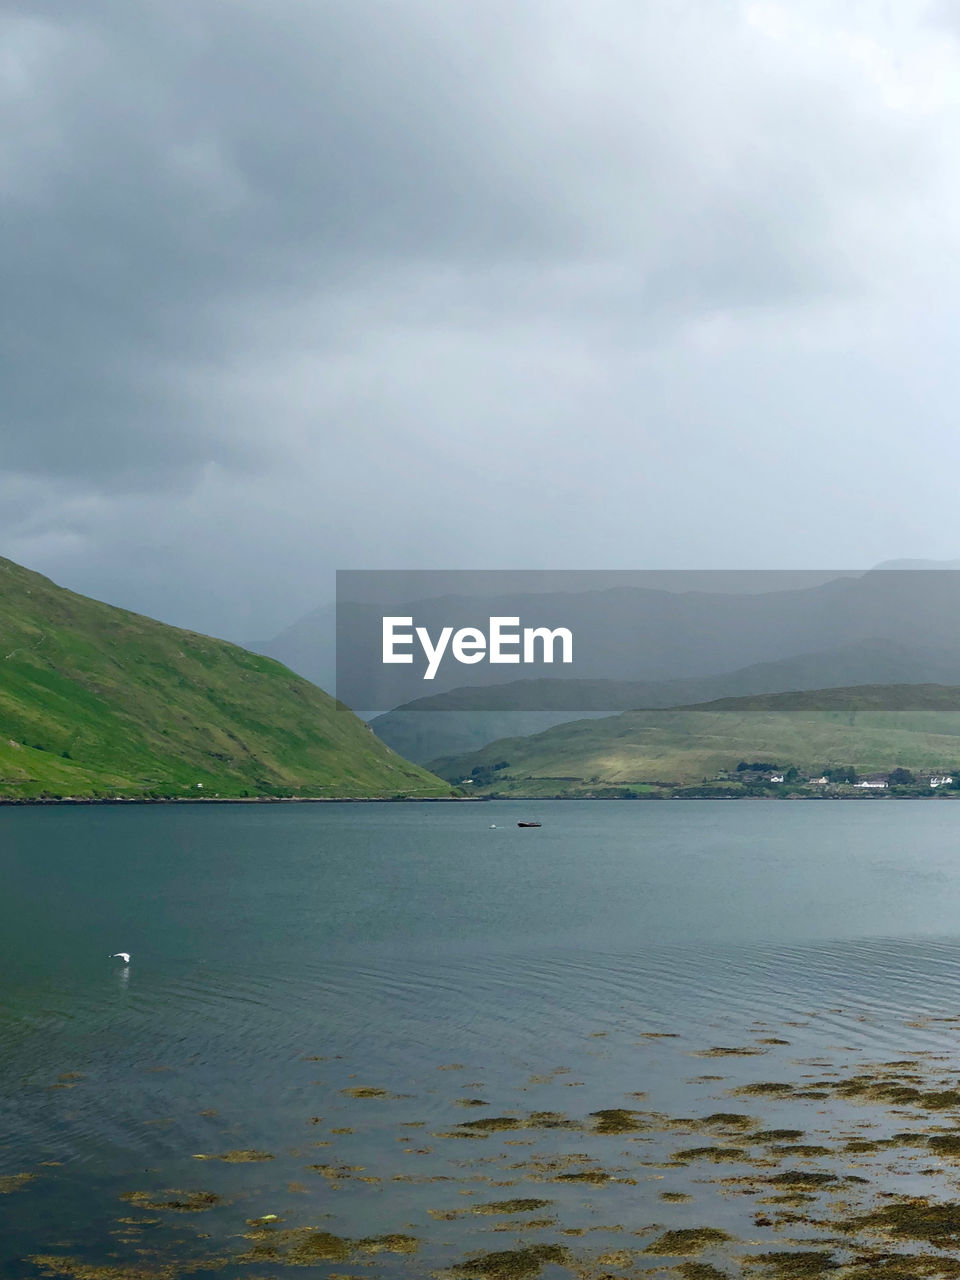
{"x": 427, "y": 735}
{"x": 464, "y": 720}
{"x": 96, "y": 701}
{"x": 873, "y": 728}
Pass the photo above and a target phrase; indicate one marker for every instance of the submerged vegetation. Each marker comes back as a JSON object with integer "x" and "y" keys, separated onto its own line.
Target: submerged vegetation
{"x": 14, "y": 1182}
{"x": 510, "y": 1264}
{"x": 686, "y": 1240}
{"x": 840, "y": 1169}
{"x": 175, "y": 1201}
{"x": 616, "y": 1120}
{"x": 238, "y": 1157}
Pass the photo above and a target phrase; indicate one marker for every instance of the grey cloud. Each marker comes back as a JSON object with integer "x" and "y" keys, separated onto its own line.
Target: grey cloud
{"x": 174, "y": 163}
{"x": 293, "y": 283}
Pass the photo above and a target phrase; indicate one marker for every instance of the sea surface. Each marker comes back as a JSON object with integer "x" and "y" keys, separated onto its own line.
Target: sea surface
{"x": 332, "y": 996}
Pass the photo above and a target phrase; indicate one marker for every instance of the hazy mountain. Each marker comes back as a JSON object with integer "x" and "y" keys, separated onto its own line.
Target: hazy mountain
{"x": 308, "y": 646}
{"x": 648, "y": 635}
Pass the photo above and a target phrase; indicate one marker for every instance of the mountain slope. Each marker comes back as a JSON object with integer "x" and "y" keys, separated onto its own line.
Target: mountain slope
{"x": 97, "y": 701}
{"x": 869, "y": 727}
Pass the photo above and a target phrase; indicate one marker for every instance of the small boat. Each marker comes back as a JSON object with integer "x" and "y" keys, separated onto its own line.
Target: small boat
{"x": 529, "y": 824}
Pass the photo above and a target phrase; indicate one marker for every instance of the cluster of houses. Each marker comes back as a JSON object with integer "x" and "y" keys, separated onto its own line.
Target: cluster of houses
{"x": 875, "y": 781}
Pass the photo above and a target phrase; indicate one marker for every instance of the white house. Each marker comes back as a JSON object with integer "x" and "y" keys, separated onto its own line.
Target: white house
{"x": 872, "y": 784}
{"x": 941, "y": 780}
{"x": 819, "y": 782}
{"x": 776, "y": 777}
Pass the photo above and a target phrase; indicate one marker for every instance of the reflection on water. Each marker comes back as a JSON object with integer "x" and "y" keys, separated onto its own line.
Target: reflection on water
{"x": 355, "y": 1032}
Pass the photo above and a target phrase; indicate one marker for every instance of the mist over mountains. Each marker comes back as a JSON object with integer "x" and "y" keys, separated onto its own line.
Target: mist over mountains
{"x": 308, "y": 646}
{"x": 643, "y": 647}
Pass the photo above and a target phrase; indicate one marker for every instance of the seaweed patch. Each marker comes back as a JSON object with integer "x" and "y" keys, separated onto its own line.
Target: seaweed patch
{"x": 509, "y": 1264}
{"x": 687, "y": 1240}
{"x": 15, "y": 1182}
{"x": 176, "y": 1201}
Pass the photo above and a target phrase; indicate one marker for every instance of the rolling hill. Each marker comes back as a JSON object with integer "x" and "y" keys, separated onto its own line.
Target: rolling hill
{"x": 464, "y": 720}
{"x": 872, "y": 728}
{"x": 97, "y": 702}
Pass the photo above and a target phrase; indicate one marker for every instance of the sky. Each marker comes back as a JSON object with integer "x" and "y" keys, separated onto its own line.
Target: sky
{"x": 299, "y": 285}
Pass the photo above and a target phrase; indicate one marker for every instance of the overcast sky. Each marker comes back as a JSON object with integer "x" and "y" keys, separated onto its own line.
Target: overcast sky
{"x": 292, "y": 285}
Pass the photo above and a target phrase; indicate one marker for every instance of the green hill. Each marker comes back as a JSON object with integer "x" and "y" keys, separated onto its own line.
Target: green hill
{"x": 873, "y": 728}
{"x": 462, "y": 720}
{"x": 97, "y": 702}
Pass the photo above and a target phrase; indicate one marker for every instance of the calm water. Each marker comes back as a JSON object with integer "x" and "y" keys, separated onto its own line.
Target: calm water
{"x": 282, "y": 955}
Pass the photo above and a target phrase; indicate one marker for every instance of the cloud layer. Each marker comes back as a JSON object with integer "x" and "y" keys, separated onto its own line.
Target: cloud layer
{"x": 293, "y": 286}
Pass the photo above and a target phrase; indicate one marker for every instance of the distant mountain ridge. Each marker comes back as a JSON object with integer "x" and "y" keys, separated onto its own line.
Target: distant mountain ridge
{"x": 654, "y": 635}
{"x": 96, "y": 701}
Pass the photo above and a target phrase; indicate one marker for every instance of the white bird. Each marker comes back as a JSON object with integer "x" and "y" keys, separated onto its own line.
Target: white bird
{"x": 121, "y": 955}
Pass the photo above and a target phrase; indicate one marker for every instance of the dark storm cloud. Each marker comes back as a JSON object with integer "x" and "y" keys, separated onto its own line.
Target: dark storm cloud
{"x": 172, "y": 161}
{"x": 287, "y": 283}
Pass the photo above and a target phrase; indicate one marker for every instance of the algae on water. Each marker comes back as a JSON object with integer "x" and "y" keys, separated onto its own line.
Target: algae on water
{"x": 510, "y": 1264}
{"x": 687, "y": 1240}
{"x": 176, "y": 1201}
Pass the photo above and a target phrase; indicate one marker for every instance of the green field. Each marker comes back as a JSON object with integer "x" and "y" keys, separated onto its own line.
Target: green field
{"x": 873, "y": 729}
{"x": 98, "y": 702}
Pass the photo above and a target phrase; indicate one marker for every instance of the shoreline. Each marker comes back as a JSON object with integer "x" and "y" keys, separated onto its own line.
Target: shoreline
{"x": 80, "y": 801}
{"x": 12, "y": 801}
